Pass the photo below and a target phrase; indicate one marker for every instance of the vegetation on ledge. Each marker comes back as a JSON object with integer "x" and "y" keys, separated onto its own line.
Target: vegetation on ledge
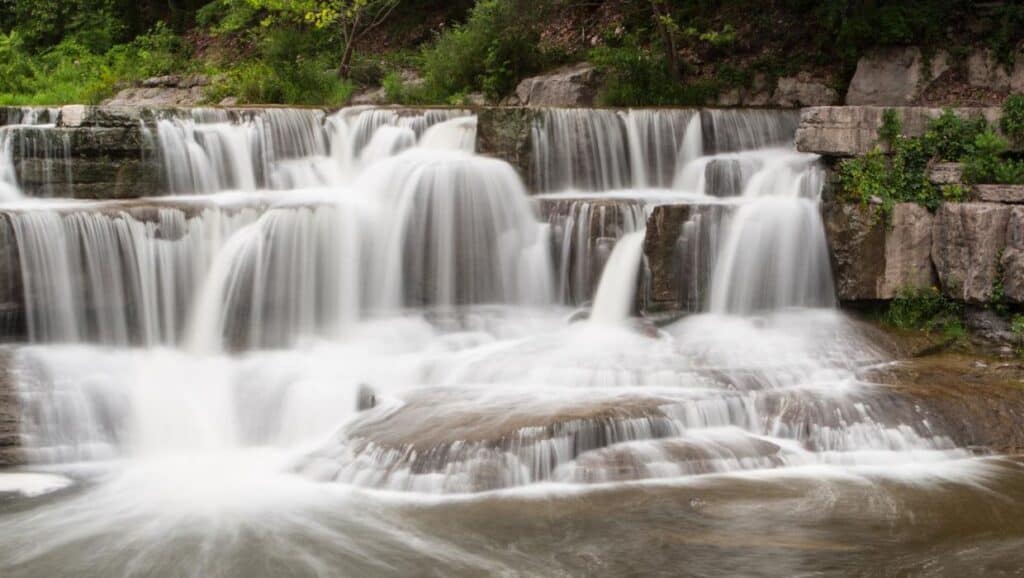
{"x": 651, "y": 52}
{"x": 896, "y": 170}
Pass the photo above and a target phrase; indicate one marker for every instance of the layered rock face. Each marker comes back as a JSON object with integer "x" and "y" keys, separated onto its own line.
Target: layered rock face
{"x": 843, "y": 131}
{"x": 89, "y": 153}
{"x": 967, "y": 242}
{"x": 873, "y": 259}
{"x": 972, "y": 251}
{"x": 902, "y": 76}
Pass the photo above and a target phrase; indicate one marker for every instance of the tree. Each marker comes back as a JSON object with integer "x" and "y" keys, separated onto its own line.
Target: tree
{"x": 353, "y": 18}
{"x": 668, "y": 28}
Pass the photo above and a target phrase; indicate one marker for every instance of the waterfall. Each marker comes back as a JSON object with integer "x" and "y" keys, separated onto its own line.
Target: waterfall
{"x": 774, "y": 254}
{"x": 583, "y": 232}
{"x": 213, "y": 150}
{"x": 616, "y": 293}
{"x": 462, "y": 232}
{"x": 30, "y": 140}
{"x": 115, "y": 278}
{"x": 241, "y": 382}
{"x": 600, "y": 150}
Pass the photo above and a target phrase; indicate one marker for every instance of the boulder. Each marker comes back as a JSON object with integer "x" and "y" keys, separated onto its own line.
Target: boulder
{"x": 1013, "y": 194}
{"x": 873, "y": 260}
{"x": 759, "y": 93}
{"x": 984, "y": 71}
{"x": 573, "y": 85}
{"x": 894, "y": 76}
{"x": 370, "y": 96}
{"x": 803, "y": 90}
{"x": 171, "y": 90}
{"x": 966, "y": 243}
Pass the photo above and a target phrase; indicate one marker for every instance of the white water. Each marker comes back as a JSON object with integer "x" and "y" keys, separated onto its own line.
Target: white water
{"x": 198, "y": 361}
{"x": 616, "y": 294}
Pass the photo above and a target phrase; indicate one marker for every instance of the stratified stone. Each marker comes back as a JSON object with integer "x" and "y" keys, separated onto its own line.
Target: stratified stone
{"x": 894, "y": 76}
{"x": 1012, "y": 194}
{"x": 985, "y": 71}
{"x": 10, "y": 437}
{"x": 966, "y": 243}
{"x": 874, "y": 260}
{"x": 853, "y": 130}
{"x": 1013, "y": 257}
{"x": 802, "y": 90}
{"x": 679, "y": 247}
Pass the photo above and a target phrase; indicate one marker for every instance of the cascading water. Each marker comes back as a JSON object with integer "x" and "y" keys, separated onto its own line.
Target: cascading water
{"x": 39, "y": 150}
{"x": 198, "y": 361}
{"x": 616, "y": 295}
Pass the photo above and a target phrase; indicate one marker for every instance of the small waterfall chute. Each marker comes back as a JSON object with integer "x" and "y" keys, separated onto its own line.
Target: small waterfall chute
{"x": 616, "y": 294}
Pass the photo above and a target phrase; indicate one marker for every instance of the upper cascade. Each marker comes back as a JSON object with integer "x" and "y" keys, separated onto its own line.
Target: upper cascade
{"x": 367, "y": 210}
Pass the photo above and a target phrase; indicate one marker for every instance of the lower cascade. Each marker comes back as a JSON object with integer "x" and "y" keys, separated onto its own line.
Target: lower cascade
{"x": 345, "y": 331}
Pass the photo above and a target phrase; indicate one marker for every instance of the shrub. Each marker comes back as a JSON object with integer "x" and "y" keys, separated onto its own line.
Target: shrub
{"x": 491, "y": 52}
{"x": 637, "y": 76}
{"x": 898, "y": 178}
{"x": 1012, "y": 122}
{"x": 892, "y": 126}
{"x": 1017, "y": 328}
{"x": 951, "y": 138}
{"x": 987, "y": 165}
{"x": 925, "y": 310}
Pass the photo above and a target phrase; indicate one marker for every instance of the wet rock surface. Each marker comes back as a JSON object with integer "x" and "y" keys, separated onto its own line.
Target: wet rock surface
{"x": 504, "y": 133}
{"x": 10, "y": 452}
{"x": 978, "y": 401}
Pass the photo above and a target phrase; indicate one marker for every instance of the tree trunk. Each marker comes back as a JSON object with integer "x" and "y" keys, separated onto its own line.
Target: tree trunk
{"x": 345, "y": 69}
{"x": 671, "y": 56}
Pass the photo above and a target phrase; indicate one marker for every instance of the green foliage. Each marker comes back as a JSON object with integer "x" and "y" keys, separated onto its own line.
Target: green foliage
{"x": 1012, "y": 122}
{"x": 925, "y": 310}
{"x": 845, "y": 28}
{"x": 1008, "y": 29}
{"x": 997, "y": 295}
{"x": 638, "y": 76}
{"x": 291, "y": 68}
{"x": 901, "y": 177}
{"x": 228, "y": 16}
{"x": 986, "y": 164}
{"x": 892, "y": 126}
{"x": 72, "y": 72}
{"x": 951, "y": 138}
{"x": 1017, "y": 328}
{"x": 491, "y": 52}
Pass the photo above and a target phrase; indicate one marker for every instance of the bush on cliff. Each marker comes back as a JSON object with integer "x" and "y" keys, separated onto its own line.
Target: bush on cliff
{"x": 925, "y": 309}
{"x": 497, "y": 46}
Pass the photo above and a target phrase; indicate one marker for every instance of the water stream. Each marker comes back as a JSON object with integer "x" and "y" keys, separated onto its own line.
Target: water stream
{"x": 349, "y": 346}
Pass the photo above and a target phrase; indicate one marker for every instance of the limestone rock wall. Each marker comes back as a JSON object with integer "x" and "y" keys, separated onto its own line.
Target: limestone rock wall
{"x": 844, "y": 131}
